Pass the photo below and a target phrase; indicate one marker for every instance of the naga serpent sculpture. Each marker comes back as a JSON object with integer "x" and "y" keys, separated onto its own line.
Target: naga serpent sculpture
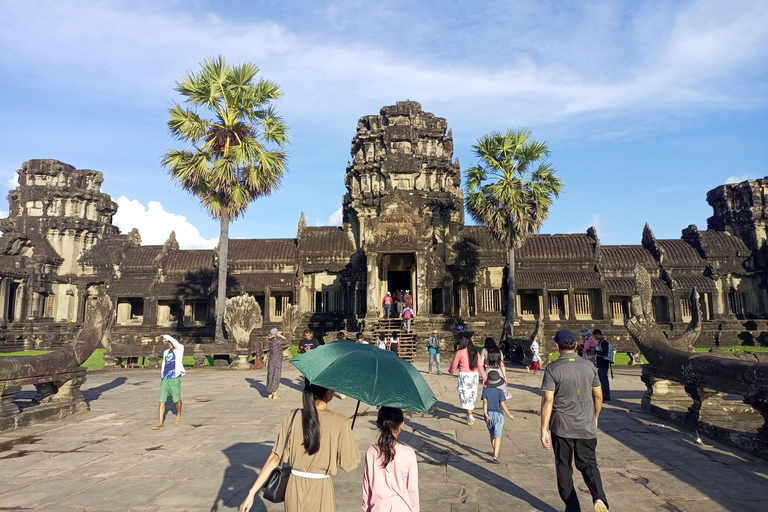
{"x": 702, "y": 374}
{"x": 57, "y": 375}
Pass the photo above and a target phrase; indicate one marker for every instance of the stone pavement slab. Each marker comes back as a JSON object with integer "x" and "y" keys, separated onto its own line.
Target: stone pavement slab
{"x": 110, "y": 459}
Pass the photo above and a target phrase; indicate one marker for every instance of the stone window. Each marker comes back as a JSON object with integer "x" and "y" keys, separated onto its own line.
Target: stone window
{"x": 557, "y": 305}
{"x": 471, "y": 298}
{"x": 583, "y": 304}
{"x": 195, "y": 312}
{"x": 280, "y": 302}
{"x": 130, "y": 310}
{"x": 490, "y": 300}
{"x": 661, "y": 310}
{"x": 321, "y": 302}
{"x": 737, "y": 302}
{"x": 48, "y": 301}
{"x": 529, "y": 304}
{"x": 621, "y": 308}
{"x": 685, "y": 310}
{"x": 338, "y": 301}
{"x": 167, "y": 312}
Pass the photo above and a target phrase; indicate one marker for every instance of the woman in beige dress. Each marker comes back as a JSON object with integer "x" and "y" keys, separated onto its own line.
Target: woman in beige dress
{"x": 320, "y": 442}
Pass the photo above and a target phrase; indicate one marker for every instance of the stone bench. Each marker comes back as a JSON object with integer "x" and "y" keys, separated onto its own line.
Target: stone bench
{"x": 154, "y": 352}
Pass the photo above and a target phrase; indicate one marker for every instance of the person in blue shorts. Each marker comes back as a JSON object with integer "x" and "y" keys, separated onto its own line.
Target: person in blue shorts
{"x": 171, "y": 374}
{"x": 493, "y": 405}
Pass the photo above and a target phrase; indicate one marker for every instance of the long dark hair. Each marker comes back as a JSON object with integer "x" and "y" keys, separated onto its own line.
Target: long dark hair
{"x": 489, "y": 344}
{"x": 388, "y": 420}
{"x": 466, "y": 343}
{"x": 494, "y": 358}
{"x": 309, "y": 420}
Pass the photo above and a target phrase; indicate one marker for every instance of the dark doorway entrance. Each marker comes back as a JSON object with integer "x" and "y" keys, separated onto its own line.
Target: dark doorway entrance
{"x": 398, "y": 280}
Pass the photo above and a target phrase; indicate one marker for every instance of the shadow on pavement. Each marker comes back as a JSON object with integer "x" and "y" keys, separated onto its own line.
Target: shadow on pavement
{"x": 95, "y": 393}
{"x": 258, "y": 386}
{"x": 240, "y": 476}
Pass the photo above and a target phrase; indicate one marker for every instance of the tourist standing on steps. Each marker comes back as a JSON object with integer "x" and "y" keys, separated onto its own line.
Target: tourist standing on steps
{"x": 399, "y": 303}
{"x": 433, "y": 347}
{"x": 469, "y": 363}
{"x": 603, "y": 365}
{"x": 381, "y": 341}
{"x": 317, "y": 441}
{"x": 407, "y": 316}
{"x": 171, "y": 373}
{"x": 407, "y": 299}
{"x": 275, "y": 364}
{"x": 386, "y": 303}
{"x": 394, "y": 343}
{"x": 570, "y": 407}
{"x": 391, "y": 475}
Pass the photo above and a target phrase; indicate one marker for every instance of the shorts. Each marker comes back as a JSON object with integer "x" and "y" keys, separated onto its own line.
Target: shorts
{"x": 495, "y": 423}
{"x": 172, "y": 387}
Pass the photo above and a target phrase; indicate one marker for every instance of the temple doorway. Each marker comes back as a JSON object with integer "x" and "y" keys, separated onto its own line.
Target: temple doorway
{"x": 398, "y": 272}
{"x": 398, "y": 280}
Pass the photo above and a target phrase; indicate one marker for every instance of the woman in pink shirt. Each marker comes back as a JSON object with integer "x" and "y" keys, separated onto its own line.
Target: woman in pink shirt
{"x": 469, "y": 363}
{"x": 391, "y": 477}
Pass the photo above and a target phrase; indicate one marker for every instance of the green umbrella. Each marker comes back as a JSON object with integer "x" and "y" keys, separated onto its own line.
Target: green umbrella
{"x": 368, "y": 373}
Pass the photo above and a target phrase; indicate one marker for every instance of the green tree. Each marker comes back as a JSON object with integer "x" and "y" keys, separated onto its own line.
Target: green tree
{"x": 235, "y": 151}
{"x": 511, "y": 191}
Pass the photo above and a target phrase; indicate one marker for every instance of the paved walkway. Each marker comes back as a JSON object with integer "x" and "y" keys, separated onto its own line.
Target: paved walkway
{"x": 111, "y": 459}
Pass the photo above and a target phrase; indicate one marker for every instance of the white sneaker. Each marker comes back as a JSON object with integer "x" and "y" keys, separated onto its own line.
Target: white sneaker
{"x": 600, "y": 506}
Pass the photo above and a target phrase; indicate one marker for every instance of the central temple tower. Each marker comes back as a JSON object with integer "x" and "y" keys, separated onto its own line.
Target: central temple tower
{"x": 403, "y": 205}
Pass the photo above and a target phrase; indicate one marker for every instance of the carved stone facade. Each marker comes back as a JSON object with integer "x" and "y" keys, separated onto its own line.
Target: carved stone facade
{"x": 403, "y": 228}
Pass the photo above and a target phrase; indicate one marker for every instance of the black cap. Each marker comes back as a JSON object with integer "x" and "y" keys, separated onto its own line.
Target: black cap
{"x": 565, "y": 338}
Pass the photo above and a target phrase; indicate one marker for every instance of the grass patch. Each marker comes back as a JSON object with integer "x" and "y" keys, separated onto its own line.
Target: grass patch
{"x": 25, "y": 353}
{"x": 96, "y": 360}
{"x": 294, "y": 350}
{"x": 621, "y": 358}
{"x": 736, "y": 348}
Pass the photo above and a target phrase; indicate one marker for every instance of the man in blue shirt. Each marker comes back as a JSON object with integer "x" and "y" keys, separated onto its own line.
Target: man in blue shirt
{"x": 433, "y": 346}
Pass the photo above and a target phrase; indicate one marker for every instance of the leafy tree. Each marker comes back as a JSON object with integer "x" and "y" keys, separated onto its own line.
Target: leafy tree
{"x": 235, "y": 151}
{"x": 511, "y": 191}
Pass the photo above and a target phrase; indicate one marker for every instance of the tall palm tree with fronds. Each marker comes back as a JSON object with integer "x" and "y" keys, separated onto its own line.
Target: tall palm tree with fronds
{"x": 235, "y": 147}
{"x": 511, "y": 191}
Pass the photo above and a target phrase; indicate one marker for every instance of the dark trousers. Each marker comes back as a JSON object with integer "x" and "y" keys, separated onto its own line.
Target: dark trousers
{"x": 602, "y": 374}
{"x": 582, "y": 451}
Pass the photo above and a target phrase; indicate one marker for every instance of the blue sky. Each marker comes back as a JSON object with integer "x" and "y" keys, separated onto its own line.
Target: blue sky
{"x": 645, "y": 105}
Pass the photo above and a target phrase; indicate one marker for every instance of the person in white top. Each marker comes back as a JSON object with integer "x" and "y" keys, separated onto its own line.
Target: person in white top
{"x": 171, "y": 373}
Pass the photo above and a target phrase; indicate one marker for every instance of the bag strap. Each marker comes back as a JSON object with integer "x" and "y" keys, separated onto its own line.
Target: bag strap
{"x": 287, "y": 438}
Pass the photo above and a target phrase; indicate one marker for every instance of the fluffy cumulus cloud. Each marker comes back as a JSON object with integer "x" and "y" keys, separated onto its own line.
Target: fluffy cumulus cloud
{"x": 738, "y": 179}
{"x": 155, "y": 224}
{"x": 336, "y": 218}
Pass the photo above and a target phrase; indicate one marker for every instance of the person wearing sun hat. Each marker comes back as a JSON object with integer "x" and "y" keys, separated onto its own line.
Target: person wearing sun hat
{"x": 588, "y": 344}
{"x": 570, "y": 407}
{"x": 275, "y": 364}
{"x": 493, "y": 405}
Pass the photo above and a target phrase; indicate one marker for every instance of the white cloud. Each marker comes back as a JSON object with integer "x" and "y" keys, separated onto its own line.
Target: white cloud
{"x": 3, "y": 213}
{"x": 738, "y": 179}
{"x": 155, "y": 224}
{"x": 336, "y": 218}
{"x": 13, "y": 182}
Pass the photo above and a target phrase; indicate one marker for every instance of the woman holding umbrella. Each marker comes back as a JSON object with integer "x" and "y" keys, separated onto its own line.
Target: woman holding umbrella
{"x": 469, "y": 363}
{"x": 317, "y": 442}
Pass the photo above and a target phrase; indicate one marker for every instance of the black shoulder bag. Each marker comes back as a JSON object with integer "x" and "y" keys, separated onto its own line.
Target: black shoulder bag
{"x": 274, "y": 489}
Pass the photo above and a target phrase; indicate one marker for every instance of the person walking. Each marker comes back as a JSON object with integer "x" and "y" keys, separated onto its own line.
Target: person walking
{"x": 433, "y": 347}
{"x": 407, "y": 299}
{"x": 602, "y": 362}
{"x": 386, "y": 303}
{"x": 570, "y": 407}
{"x": 275, "y": 363}
{"x": 399, "y": 303}
{"x": 391, "y": 476}
{"x": 394, "y": 343}
{"x": 170, "y": 375}
{"x": 381, "y": 341}
{"x": 407, "y": 316}
{"x": 588, "y": 345}
{"x": 536, "y": 357}
{"x": 493, "y": 360}
{"x": 315, "y": 441}
{"x": 493, "y": 405}
{"x": 469, "y": 363}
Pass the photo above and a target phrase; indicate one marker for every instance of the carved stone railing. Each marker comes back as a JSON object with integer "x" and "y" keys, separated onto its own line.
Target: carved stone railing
{"x": 57, "y": 376}
{"x": 691, "y": 388}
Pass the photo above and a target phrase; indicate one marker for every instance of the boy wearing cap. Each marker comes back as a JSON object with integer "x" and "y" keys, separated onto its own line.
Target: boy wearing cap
{"x": 570, "y": 407}
{"x": 433, "y": 347}
{"x": 171, "y": 373}
{"x": 493, "y": 404}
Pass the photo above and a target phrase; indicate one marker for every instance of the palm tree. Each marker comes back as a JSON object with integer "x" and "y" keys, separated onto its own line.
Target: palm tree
{"x": 511, "y": 191}
{"x": 233, "y": 157}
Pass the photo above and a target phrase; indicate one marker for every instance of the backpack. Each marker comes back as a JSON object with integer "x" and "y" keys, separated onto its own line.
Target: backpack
{"x": 388, "y": 300}
{"x": 407, "y": 314}
{"x": 611, "y": 355}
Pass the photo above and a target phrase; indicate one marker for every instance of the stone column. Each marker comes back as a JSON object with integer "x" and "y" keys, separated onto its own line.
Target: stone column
{"x": 7, "y": 392}
{"x": 82, "y": 291}
{"x": 150, "y": 312}
{"x": 21, "y": 302}
{"x": 606, "y": 304}
{"x": 707, "y": 406}
{"x": 422, "y": 297}
{"x": 545, "y": 300}
{"x": 4, "y": 284}
{"x": 33, "y": 313}
{"x": 571, "y": 305}
{"x": 372, "y": 293}
{"x": 665, "y": 398}
{"x": 678, "y": 311}
{"x": 267, "y": 313}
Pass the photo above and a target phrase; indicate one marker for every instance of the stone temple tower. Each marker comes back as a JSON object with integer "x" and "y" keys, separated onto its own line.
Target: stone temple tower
{"x": 403, "y": 203}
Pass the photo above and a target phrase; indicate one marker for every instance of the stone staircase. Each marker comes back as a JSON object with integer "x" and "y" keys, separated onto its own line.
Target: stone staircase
{"x": 407, "y": 345}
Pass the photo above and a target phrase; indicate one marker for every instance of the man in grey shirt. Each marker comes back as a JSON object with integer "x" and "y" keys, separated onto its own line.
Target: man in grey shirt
{"x": 570, "y": 407}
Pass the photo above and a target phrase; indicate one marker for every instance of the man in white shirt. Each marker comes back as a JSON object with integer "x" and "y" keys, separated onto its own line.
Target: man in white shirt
{"x": 172, "y": 370}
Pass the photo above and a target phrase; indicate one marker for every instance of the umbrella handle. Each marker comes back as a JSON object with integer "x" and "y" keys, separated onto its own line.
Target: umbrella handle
{"x": 355, "y": 416}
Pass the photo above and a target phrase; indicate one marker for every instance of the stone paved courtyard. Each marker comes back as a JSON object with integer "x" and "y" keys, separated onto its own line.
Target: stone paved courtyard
{"x": 111, "y": 459}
